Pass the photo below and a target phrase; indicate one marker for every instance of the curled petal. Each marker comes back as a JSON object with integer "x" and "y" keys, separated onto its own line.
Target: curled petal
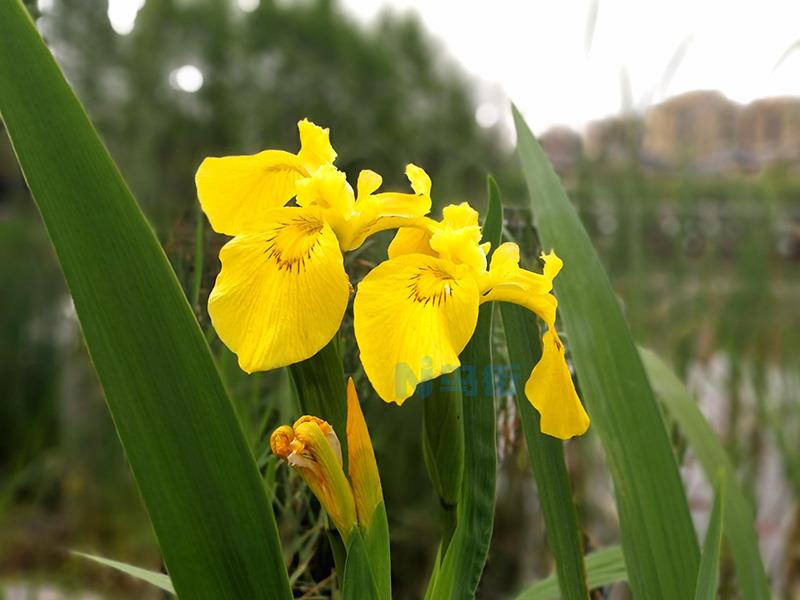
{"x": 315, "y": 146}
{"x": 328, "y": 189}
{"x": 507, "y": 282}
{"x": 552, "y": 265}
{"x": 460, "y": 216}
{"x": 281, "y": 440}
{"x": 420, "y": 181}
{"x": 457, "y": 238}
{"x": 551, "y": 391}
{"x": 368, "y": 183}
{"x": 236, "y": 192}
{"x": 387, "y": 210}
{"x": 413, "y": 316}
{"x": 327, "y": 431}
{"x": 282, "y": 291}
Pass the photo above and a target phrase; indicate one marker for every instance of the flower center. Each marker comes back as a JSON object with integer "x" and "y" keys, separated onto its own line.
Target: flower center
{"x": 292, "y": 242}
{"x": 431, "y": 285}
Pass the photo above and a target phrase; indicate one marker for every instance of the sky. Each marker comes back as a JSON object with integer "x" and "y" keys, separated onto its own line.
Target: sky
{"x": 538, "y": 54}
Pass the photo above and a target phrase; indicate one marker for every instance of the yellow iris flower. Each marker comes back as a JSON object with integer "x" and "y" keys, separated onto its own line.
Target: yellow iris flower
{"x": 282, "y": 291}
{"x": 415, "y": 313}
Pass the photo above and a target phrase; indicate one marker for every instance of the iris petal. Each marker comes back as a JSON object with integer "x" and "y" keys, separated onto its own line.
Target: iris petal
{"x": 413, "y": 316}
{"x": 237, "y": 191}
{"x": 411, "y": 240}
{"x": 551, "y": 391}
{"x": 386, "y": 210}
{"x": 549, "y": 388}
{"x": 315, "y": 145}
{"x": 282, "y": 291}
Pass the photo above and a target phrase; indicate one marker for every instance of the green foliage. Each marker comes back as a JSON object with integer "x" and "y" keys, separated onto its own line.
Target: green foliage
{"x": 182, "y": 437}
{"x": 376, "y": 544}
{"x": 603, "y": 567}
{"x": 708, "y": 575}
{"x": 462, "y": 566}
{"x": 320, "y": 386}
{"x": 357, "y": 580}
{"x": 546, "y": 456}
{"x": 443, "y": 444}
{"x": 657, "y": 535}
{"x": 159, "y": 580}
{"x": 738, "y": 515}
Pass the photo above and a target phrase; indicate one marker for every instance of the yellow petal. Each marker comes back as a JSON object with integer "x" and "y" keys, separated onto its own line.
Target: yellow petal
{"x": 507, "y": 282}
{"x": 413, "y": 316}
{"x": 368, "y": 182}
{"x": 505, "y": 262}
{"x": 387, "y": 210}
{"x": 420, "y": 181}
{"x": 552, "y": 265}
{"x": 361, "y": 460}
{"x": 458, "y": 237}
{"x": 282, "y": 292}
{"x": 551, "y": 391}
{"x": 411, "y": 240}
{"x": 328, "y": 189}
{"x": 459, "y": 216}
{"x": 237, "y": 191}
{"x": 315, "y": 146}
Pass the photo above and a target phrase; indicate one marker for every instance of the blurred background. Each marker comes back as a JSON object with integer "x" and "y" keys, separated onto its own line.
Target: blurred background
{"x": 676, "y": 130}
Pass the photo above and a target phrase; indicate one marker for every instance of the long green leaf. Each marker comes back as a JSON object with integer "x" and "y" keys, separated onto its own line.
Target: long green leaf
{"x": 739, "y": 531}
{"x": 183, "y": 440}
{"x": 377, "y": 546}
{"x": 546, "y": 456}
{"x": 603, "y": 567}
{"x": 466, "y": 555}
{"x": 357, "y": 580}
{"x": 708, "y": 575}
{"x": 657, "y": 534}
{"x": 160, "y": 580}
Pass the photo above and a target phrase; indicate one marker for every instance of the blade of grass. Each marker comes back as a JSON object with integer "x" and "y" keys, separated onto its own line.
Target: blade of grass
{"x": 603, "y": 567}
{"x": 739, "y": 530}
{"x": 658, "y": 538}
{"x": 547, "y": 457}
{"x": 159, "y": 580}
{"x": 185, "y": 445}
{"x": 708, "y": 575}
{"x": 466, "y": 555}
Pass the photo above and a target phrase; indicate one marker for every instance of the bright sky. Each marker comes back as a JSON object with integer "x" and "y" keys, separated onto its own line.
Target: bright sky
{"x": 535, "y": 52}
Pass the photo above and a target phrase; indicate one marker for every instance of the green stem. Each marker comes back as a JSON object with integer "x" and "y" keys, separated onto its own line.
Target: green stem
{"x": 443, "y": 445}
